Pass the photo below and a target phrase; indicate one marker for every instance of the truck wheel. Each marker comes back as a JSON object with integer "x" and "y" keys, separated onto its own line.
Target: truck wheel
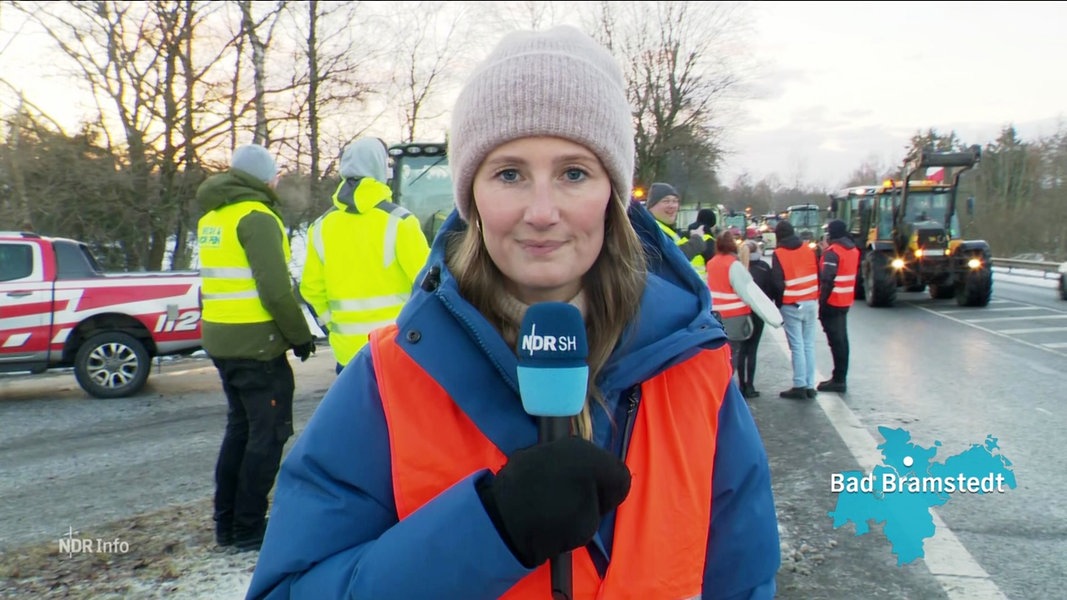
{"x": 975, "y": 288}
{"x": 112, "y": 365}
{"x": 880, "y": 283}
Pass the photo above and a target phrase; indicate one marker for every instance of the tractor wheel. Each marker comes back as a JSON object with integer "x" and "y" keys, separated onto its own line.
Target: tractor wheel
{"x": 112, "y": 364}
{"x": 975, "y": 288}
{"x": 880, "y": 283}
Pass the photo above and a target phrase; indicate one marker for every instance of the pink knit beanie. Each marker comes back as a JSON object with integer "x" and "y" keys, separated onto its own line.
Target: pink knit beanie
{"x": 558, "y": 82}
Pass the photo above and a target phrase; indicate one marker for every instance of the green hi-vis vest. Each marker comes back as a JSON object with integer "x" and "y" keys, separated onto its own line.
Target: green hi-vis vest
{"x": 227, "y": 286}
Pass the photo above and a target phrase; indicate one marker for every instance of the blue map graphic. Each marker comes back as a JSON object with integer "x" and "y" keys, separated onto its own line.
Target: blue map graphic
{"x": 901, "y": 491}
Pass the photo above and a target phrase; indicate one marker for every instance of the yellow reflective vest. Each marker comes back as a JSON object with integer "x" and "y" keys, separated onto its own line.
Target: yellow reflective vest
{"x": 227, "y": 286}
{"x": 698, "y": 260}
{"x": 361, "y": 266}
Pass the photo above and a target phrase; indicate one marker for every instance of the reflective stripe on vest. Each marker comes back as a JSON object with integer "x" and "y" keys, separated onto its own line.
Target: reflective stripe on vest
{"x": 396, "y": 215}
{"x": 724, "y": 300}
{"x": 661, "y": 530}
{"x": 228, "y": 288}
{"x": 671, "y": 233}
{"x": 801, "y": 273}
{"x": 843, "y": 293}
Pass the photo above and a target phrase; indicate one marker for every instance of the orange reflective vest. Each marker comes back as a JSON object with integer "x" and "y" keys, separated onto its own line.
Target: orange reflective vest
{"x": 725, "y": 300}
{"x": 843, "y": 293}
{"x": 801, "y": 273}
{"x": 661, "y": 529}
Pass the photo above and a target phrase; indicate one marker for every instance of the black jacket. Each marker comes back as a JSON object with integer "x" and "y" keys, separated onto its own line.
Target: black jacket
{"x": 828, "y": 270}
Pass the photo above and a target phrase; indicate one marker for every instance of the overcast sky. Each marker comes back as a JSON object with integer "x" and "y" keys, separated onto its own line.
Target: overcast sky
{"x": 847, "y": 81}
{"x": 841, "y": 83}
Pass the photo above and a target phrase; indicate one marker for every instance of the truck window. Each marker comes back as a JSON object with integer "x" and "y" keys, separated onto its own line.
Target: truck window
{"x": 73, "y": 261}
{"x": 16, "y": 261}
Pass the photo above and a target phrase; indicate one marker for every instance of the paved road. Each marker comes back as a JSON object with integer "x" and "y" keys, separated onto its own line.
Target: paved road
{"x": 945, "y": 374}
{"x": 70, "y": 460}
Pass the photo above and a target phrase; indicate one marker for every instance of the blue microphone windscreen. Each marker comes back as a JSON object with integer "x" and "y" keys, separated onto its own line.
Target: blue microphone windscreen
{"x": 553, "y": 372}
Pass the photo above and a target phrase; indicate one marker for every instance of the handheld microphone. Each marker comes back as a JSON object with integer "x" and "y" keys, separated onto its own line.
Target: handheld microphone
{"x": 553, "y": 379}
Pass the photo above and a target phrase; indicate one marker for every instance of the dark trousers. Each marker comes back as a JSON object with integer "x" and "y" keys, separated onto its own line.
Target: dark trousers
{"x": 258, "y": 423}
{"x": 745, "y": 357}
{"x": 835, "y": 323}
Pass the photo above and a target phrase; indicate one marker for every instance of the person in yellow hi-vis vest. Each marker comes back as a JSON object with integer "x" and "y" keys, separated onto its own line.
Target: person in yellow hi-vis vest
{"x": 364, "y": 254}
{"x": 251, "y": 317}
{"x": 663, "y": 202}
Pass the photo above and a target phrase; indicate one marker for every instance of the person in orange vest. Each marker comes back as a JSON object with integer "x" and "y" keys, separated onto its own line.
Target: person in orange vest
{"x": 795, "y": 270}
{"x": 735, "y": 297}
{"x": 421, "y": 476}
{"x": 837, "y": 282}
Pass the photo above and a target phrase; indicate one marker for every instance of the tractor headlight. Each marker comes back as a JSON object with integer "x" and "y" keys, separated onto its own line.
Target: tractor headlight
{"x": 898, "y": 263}
{"x": 975, "y": 263}
{"x": 918, "y": 253}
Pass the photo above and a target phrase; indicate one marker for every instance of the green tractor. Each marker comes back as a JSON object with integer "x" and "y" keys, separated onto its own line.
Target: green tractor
{"x": 807, "y": 222}
{"x": 422, "y": 183}
{"x": 909, "y": 235}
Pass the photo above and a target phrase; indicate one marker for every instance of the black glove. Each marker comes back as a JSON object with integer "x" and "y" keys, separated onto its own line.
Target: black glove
{"x": 550, "y": 498}
{"x": 303, "y": 351}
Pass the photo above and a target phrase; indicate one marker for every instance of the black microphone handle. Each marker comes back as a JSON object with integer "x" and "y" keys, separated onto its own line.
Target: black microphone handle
{"x": 550, "y": 429}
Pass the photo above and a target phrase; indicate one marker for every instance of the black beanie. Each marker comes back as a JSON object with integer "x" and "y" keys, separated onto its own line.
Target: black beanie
{"x": 706, "y": 217}
{"x": 783, "y": 229}
{"x": 837, "y": 229}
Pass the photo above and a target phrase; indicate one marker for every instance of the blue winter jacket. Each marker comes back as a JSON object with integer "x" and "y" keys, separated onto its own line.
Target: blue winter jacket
{"x": 333, "y": 529}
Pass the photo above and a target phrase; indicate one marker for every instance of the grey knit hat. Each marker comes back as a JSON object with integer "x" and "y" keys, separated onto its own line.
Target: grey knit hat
{"x": 559, "y": 82}
{"x": 254, "y": 160}
{"x": 658, "y": 191}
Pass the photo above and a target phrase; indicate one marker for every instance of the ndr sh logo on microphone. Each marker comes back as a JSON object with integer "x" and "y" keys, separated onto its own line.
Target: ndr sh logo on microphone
{"x": 531, "y": 342}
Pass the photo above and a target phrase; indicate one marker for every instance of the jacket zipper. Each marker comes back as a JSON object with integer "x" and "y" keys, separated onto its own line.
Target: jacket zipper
{"x": 633, "y": 398}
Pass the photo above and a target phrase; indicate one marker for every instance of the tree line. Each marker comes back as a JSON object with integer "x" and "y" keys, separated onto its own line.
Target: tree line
{"x": 175, "y": 85}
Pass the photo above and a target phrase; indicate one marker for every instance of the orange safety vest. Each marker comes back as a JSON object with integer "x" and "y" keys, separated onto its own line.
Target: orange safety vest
{"x": 661, "y": 529}
{"x": 801, "y": 273}
{"x": 848, "y": 264}
{"x": 725, "y": 300}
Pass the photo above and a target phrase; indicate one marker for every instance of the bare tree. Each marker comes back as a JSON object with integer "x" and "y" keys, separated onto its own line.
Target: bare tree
{"x": 679, "y": 80}
{"x": 430, "y": 42}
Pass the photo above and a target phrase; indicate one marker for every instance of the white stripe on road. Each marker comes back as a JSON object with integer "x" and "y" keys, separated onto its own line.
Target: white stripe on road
{"x": 1032, "y": 330}
{"x": 945, "y": 556}
{"x": 1055, "y": 345}
{"x": 988, "y": 330}
{"x": 964, "y": 310}
{"x": 1063, "y": 316}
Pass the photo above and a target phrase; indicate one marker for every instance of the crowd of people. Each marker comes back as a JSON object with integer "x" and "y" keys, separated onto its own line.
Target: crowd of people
{"x": 422, "y": 447}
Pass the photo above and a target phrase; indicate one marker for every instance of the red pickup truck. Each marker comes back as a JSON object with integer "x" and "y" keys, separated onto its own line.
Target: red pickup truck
{"x": 59, "y": 309}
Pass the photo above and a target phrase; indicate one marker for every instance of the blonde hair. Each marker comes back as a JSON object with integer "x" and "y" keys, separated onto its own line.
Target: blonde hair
{"x": 612, "y": 287}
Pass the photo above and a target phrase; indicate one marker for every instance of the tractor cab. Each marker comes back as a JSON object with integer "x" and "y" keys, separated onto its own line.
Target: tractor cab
{"x": 422, "y": 183}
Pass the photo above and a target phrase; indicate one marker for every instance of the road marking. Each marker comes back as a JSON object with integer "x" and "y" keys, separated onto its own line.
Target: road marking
{"x": 953, "y": 567}
{"x": 1034, "y": 318}
{"x": 1055, "y": 345}
{"x": 1044, "y": 410}
{"x": 961, "y": 310}
{"x": 1033, "y": 330}
{"x": 991, "y": 331}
